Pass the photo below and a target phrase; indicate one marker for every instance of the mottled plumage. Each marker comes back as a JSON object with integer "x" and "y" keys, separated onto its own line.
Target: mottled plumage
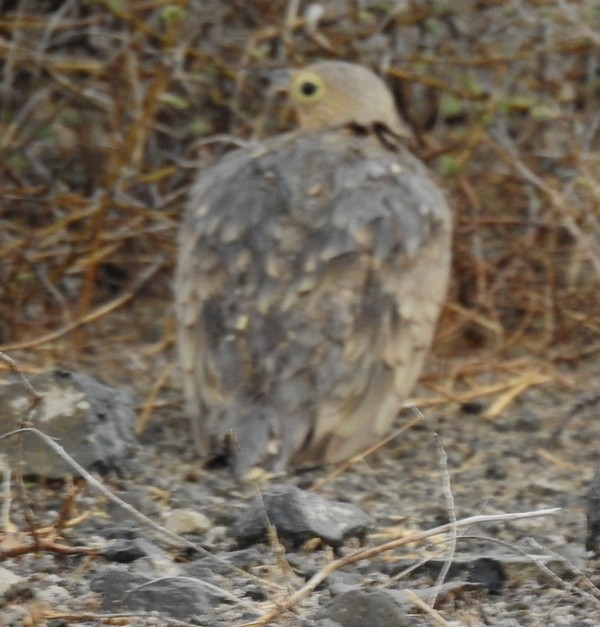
{"x": 310, "y": 277}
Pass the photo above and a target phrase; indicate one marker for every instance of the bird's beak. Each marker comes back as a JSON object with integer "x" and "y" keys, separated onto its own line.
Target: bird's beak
{"x": 280, "y": 80}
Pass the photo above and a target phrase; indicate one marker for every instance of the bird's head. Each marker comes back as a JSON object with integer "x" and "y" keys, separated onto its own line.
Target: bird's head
{"x": 336, "y": 93}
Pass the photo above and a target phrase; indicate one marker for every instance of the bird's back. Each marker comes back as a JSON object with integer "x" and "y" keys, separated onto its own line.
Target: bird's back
{"x": 310, "y": 277}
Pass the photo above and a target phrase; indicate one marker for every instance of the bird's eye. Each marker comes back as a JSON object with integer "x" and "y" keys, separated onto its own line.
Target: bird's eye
{"x": 308, "y": 88}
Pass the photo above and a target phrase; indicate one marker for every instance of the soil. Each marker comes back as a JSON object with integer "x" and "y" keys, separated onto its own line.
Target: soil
{"x": 104, "y": 107}
{"x": 513, "y": 463}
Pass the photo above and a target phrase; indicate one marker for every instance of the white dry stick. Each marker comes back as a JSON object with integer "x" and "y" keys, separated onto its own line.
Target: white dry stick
{"x": 369, "y": 552}
{"x": 585, "y": 240}
{"x": 573, "y": 586}
{"x": 91, "y": 480}
{"x": 98, "y": 485}
{"x": 36, "y": 396}
{"x": 538, "y": 561}
{"x": 116, "y": 617}
{"x": 291, "y": 17}
{"x": 422, "y": 605}
{"x": 60, "y": 451}
{"x": 6, "y": 493}
{"x": 216, "y": 139}
{"x": 55, "y": 22}
{"x": 450, "y": 507}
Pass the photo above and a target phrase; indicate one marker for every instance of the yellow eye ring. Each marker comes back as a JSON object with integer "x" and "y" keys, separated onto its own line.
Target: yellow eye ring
{"x": 307, "y": 86}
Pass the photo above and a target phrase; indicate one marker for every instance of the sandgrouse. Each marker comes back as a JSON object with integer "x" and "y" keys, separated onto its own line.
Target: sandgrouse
{"x": 310, "y": 276}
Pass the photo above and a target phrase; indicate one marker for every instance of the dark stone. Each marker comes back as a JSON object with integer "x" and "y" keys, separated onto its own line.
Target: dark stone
{"x": 529, "y": 421}
{"x": 496, "y": 471}
{"x": 358, "y": 608}
{"x": 473, "y": 407}
{"x": 298, "y": 516}
{"x": 123, "y": 551}
{"x": 488, "y": 572}
{"x": 592, "y": 538}
{"x": 256, "y": 594}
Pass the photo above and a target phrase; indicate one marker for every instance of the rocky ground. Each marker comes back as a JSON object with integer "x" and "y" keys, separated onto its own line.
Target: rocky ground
{"x": 108, "y": 110}
{"x": 99, "y": 563}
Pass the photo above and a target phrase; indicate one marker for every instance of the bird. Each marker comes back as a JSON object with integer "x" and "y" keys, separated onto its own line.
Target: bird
{"x": 310, "y": 276}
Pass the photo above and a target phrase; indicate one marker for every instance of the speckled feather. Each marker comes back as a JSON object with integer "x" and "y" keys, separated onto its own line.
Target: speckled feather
{"x": 310, "y": 277}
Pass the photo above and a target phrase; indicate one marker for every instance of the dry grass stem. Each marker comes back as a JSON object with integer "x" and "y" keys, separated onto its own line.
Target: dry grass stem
{"x": 368, "y": 553}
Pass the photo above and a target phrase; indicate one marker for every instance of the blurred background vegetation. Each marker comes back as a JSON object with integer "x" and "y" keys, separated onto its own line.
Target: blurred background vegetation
{"x": 107, "y": 108}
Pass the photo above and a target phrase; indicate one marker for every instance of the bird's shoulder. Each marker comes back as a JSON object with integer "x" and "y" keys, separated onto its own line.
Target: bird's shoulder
{"x": 332, "y": 182}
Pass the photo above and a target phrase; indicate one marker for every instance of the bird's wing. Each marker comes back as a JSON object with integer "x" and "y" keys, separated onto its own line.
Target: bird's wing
{"x": 309, "y": 281}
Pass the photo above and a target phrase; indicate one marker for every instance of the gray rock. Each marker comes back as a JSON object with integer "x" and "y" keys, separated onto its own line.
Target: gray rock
{"x": 156, "y": 561}
{"x": 150, "y": 559}
{"x": 340, "y": 582}
{"x": 92, "y": 422}
{"x": 592, "y": 538}
{"x": 17, "y": 616}
{"x": 223, "y": 563}
{"x": 12, "y": 586}
{"x": 375, "y": 608}
{"x": 18, "y": 599}
{"x": 298, "y": 516}
{"x": 57, "y": 597}
{"x": 180, "y": 598}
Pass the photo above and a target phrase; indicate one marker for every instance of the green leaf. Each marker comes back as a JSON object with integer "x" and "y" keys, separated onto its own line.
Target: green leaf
{"x": 175, "y": 101}
{"x": 448, "y": 165}
{"x": 451, "y": 106}
{"x": 200, "y": 127}
{"x": 171, "y": 14}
